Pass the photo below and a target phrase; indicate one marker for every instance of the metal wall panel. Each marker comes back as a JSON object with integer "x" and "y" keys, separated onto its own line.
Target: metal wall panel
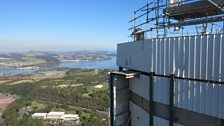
{"x": 221, "y": 89}
{"x": 121, "y": 119}
{"x": 175, "y": 43}
{"x": 136, "y": 55}
{"x": 139, "y": 117}
{"x": 159, "y": 55}
{"x": 167, "y": 57}
{"x": 172, "y": 59}
{"x": 121, "y": 99}
{"x": 203, "y": 73}
{"x": 160, "y": 122}
{"x": 221, "y": 102}
{"x": 215, "y": 74}
{"x": 161, "y": 90}
{"x": 197, "y": 73}
{"x": 185, "y": 71}
{"x": 209, "y": 55}
{"x": 209, "y": 75}
{"x": 140, "y": 86}
{"x": 222, "y": 58}
{"x": 200, "y": 57}
{"x": 154, "y": 52}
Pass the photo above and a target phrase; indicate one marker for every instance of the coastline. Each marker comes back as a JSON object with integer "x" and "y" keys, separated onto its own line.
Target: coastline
{"x": 90, "y": 64}
{"x": 49, "y": 64}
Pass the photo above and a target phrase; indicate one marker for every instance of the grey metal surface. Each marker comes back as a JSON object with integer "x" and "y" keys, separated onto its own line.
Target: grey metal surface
{"x": 190, "y": 56}
{"x": 161, "y": 114}
{"x": 121, "y": 99}
{"x": 140, "y": 107}
{"x": 198, "y": 57}
{"x": 194, "y": 9}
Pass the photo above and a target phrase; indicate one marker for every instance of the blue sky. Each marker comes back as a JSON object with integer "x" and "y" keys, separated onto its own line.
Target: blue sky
{"x": 60, "y": 25}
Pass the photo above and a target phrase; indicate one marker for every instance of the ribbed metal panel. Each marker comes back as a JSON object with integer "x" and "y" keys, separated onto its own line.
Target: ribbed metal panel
{"x": 139, "y": 117}
{"x": 191, "y": 56}
{"x": 140, "y": 86}
{"x": 161, "y": 90}
{"x": 199, "y": 57}
{"x": 160, "y": 122}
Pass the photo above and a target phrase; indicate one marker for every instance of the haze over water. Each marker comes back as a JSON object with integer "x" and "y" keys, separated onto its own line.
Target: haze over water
{"x": 104, "y": 64}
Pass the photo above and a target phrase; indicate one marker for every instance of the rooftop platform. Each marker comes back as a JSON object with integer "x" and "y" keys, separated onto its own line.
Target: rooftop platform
{"x": 196, "y": 9}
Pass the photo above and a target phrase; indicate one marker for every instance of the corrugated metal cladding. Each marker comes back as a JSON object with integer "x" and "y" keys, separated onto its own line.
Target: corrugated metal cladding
{"x": 191, "y": 56}
{"x": 200, "y": 57}
{"x": 139, "y": 117}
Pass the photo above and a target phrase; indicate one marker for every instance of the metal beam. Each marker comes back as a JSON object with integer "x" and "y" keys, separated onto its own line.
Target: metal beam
{"x": 143, "y": 7}
{"x": 151, "y": 120}
{"x": 111, "y": 100}
{"x": 171, "y": 110}
{"x": 216, "y": 4}
{"x": 199, "y": 21}
{"x": 181, "y": 116}
{"x": 126, "y": 74}
{"x": 181, "y": 78}
{"x": 198, "y": 9}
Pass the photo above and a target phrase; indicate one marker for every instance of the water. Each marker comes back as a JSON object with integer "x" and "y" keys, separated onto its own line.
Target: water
{"x": 105, "y": 64}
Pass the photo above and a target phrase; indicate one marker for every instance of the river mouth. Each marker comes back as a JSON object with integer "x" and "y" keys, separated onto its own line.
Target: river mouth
{"x": 102, "y": 64}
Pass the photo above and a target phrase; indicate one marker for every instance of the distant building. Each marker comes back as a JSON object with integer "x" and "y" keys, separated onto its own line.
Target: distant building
{"x": 39, "y": 116}
{"x": 70, "y": 117}
{"x": 98, "y": 86}
{"x": 55, "y": 115}
{"x": 60, "y": 116}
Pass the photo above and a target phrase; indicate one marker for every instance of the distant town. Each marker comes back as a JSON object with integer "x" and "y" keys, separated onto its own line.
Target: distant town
{"x": 34, "y": 60}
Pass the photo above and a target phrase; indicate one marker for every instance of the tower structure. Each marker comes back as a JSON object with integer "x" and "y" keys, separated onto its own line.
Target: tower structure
{"x": 172, "y": 73}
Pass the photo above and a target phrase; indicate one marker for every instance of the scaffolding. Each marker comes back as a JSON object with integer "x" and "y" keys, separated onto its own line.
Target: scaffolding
{"x": 167, "y": 18}
{"x": 187, "y": 67}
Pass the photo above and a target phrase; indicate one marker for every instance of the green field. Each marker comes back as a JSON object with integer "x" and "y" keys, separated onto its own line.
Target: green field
{"x": 74, "y": 87}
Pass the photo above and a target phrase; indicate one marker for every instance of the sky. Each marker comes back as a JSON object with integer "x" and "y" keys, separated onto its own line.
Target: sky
{"x": 65, "y": 25}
